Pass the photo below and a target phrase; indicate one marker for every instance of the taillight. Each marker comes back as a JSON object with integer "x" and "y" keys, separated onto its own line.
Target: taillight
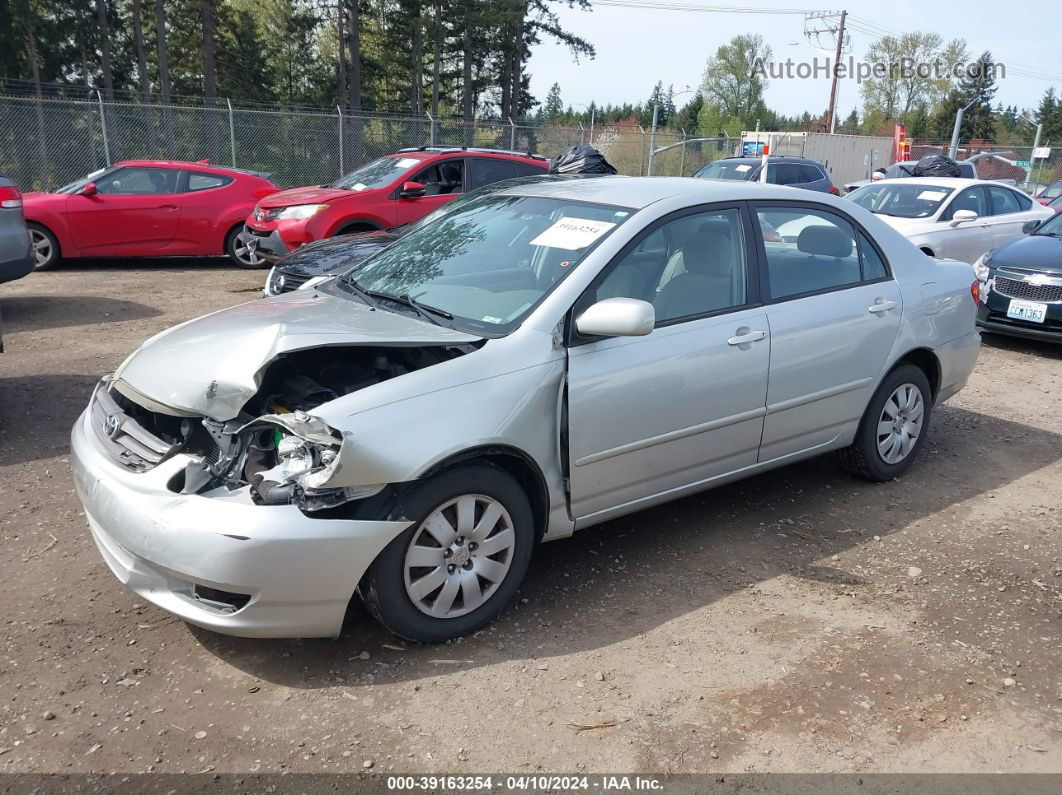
{"x": 834, "y": 191}
{"x": 10, "y": 198}
{"x": 975, "y": 292}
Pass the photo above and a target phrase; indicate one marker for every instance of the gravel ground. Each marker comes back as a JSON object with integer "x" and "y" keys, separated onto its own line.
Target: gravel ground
{"x": 798, "y": 621}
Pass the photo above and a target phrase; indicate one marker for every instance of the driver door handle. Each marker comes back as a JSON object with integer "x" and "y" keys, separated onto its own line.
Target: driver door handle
{"x": 167, "y": 206}
{"x": 881, "y": 306}
{"x": 752, "y": 336}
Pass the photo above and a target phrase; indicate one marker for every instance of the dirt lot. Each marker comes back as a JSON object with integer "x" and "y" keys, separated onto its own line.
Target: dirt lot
{"x": 799, "y": 621}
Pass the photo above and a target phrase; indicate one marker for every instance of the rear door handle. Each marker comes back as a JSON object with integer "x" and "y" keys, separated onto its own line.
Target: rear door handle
{"x": 167, "y": 206}
{"x": 752, "y": 336}
{"x": 881, "y": 306}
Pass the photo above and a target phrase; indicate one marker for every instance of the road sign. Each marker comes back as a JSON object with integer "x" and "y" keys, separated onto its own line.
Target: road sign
{"x": 1023, "y": 163}
{"x": 1041, "y": 153}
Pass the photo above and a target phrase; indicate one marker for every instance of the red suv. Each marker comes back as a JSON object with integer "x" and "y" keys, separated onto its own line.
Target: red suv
{"x": 392, "y": 191}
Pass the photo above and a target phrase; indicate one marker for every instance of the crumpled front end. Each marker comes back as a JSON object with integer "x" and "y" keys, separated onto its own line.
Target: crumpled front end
{"x": 216, "y": 558}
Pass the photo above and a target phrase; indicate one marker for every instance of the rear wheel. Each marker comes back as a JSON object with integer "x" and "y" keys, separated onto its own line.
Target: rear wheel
{"x": 242, "y": 254}
{"x": 45, "y": 247}
{"x": 460, "y": 562}
{"x": 893, "y": 427}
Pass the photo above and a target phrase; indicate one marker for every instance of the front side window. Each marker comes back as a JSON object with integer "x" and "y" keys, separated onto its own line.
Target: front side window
{"x": 442, "y": 179}
{"x": 902, "y": 200}
{"x": 489, "y": 263}
{"x": 691, "y": 266}
{"x": 136, "y": 181}
{"x": 818, "y": 251}
{"x": 972, "y": 198}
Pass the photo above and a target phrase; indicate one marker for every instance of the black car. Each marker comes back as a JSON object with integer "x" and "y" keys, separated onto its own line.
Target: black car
{"x": 338, "y": 254}
{"x": 798, "y": 172}
{"x": 1021, "y": 284}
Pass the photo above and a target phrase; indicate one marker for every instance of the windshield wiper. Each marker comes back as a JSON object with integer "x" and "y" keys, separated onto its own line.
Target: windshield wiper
{"x": 347, "y": 280}
{"x": 423, "y": 310}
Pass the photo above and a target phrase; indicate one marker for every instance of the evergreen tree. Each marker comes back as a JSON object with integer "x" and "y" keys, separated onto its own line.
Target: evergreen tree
{"x": 553, "y": 107}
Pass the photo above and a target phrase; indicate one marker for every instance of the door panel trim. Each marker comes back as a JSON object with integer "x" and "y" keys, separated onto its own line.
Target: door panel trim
{"x": 822, "y": 394}
{"x": 671, "y": 436}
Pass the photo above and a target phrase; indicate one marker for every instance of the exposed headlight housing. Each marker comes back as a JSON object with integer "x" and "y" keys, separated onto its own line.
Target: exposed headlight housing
{"x": 980, "y": 266}
{"x": 297, "y": 212}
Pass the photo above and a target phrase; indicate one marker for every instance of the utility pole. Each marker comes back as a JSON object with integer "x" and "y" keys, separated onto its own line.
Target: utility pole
{"x": 953, "y": 150}
{"x": 836, "y": 68}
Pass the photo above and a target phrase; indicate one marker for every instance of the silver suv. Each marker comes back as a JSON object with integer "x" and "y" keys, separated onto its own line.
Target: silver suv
{"x": 16, "y": 259}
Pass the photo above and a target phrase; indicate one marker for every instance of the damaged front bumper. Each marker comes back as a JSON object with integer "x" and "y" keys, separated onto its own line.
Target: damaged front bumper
{"x": 217, "y": 559}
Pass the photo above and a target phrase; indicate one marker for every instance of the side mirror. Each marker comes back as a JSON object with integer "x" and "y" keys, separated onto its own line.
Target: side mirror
{"x": 617, "y": 317}
{"x": 1029, "y": 227}
{"x": 412, "y": 190}
{"x": 963, "y": 215}
{"x": 89, "y": 189}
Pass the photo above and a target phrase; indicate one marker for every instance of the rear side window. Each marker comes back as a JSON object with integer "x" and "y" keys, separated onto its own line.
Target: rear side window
{"x": 873, "y": 265}
{"x": 483, "y": 171}
{"x": 198, "y": 181}
{"x": 817, "y": 251}
{"x": 1006, "y": 201}
{"x": 811, "y": 174}
{"x": 784, "y": 173}
{"x": 529, "y": 170}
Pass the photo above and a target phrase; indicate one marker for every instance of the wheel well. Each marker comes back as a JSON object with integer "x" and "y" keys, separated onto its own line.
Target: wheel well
{"x": 927, "y": 251}
{"x": 927, "y": 362}
{"x": 357, "y": 226}
{"x": 517, "y": 464}
{"x": 234, "y": 230}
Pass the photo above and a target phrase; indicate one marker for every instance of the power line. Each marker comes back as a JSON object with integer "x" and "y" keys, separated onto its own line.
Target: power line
{"x": 668, "y": 5}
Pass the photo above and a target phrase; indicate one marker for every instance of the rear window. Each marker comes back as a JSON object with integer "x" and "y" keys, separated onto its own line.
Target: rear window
{"x": 727, "y": 169}
{"x": 811, "y": 173}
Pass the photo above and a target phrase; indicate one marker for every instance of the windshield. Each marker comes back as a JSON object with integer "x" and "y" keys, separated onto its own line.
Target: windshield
{"x": 1052, "y": 226}
{"x": 1052, "y": 191}
{"x": 489, "y": 263}
{"x": 901, "y": 200}
{"x": 377, "y": 174}
{"x": 726, "y": 169}
{"x": 78, "y": 184}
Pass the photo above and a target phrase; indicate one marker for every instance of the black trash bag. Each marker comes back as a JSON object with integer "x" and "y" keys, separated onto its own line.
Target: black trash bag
{"x": 936, "y": 166}
{"x": 582, "y": 160}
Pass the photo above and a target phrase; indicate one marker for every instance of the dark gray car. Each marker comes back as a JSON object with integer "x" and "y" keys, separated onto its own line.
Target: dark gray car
{"x": 797, "y": 172}
{"x": 16, "y": 259}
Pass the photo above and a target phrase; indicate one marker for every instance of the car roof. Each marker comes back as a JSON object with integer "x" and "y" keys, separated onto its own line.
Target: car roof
{"x": 772, "y": 159}
{"x": 639, "y": 192}
{"x": 192, "y": 166}
{"x": 423, "y": 152}
{"x": 949, "y": 182}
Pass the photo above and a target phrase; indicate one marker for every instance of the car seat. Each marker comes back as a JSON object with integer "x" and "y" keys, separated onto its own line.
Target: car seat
{"x": 706, "y": 284}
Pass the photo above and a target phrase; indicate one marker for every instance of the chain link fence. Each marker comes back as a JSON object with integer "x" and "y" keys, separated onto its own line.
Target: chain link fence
{"x": 46, "y": 142}
{"x": 1015, "y": 165}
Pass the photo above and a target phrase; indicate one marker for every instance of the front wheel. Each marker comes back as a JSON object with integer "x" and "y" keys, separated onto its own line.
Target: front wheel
{"x": 893, "y": 427}
{"x": 461, "y": 561}
{"x": 242, "y": 254}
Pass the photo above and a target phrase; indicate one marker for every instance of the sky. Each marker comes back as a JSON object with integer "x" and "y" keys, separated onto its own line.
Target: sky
{"x": 638, "y": 46}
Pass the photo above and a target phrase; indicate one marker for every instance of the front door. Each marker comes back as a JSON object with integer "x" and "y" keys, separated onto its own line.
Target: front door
{"x": 650, "y": 415}
{"x": 970, "y": 239}
{"x": 135, "y": 211}
{"x": 443, "y": 181}
{"x": 834, "y": 311}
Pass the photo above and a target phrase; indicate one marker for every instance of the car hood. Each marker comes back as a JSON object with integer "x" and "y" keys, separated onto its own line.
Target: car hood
{"x": 310, "y": 195}
{"x": 211, "y": 366}
{"x": 908, "y": 226}
{"x": 35, "y": 199}
{"x": 1035, "y": 252}
{"x": 334, "y": 254}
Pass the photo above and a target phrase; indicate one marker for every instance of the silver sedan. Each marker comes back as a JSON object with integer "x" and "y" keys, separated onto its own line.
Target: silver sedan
{"x": 541, "y": 360}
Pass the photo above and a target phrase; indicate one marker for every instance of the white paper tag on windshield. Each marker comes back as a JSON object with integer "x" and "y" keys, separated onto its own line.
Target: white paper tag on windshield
{"x": 931, "y": 195}
{"x": 406, "y": 162}
{"x": 742, "y": 168}
{"x": 572, "y": 234}
{"x": 360, "y": 186}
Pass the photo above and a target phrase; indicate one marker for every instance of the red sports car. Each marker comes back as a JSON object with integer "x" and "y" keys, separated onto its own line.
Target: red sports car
{"x": 147, "y": 208}
{"x": 393, "y": 191}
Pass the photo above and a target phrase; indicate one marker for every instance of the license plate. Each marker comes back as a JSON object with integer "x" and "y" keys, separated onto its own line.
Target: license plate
{"x": 1032, "y": 311}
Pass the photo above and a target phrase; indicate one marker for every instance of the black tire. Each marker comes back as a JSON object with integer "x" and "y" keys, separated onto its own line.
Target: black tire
{"x": 37, "y": 232}
{"x": 383, "y": 589}
{"x": 231, "y": 250}
{"x": 356, "y": 229}
{"x": 862, "y": 458}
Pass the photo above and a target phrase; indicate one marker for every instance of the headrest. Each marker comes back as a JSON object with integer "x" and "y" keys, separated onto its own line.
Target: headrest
{"x": 718, "y": 225}
{"x": 709, "y": 253}
{"x": 825, "y": 241}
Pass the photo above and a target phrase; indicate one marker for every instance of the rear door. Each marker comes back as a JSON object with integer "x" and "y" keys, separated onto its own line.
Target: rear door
{"x": 1009, "y": 212}
{"x": 485, "y": 170}
{"x": 443, "y": 181}
{"x": 136, "y": 210}
{"x": 833, "y": 310}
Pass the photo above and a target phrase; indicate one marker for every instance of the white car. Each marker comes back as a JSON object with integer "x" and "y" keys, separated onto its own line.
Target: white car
{"x": 955, "y": 218}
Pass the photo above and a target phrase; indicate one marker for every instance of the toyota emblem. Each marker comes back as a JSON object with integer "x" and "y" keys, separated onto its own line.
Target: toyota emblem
{"x": 112, "y": 425}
